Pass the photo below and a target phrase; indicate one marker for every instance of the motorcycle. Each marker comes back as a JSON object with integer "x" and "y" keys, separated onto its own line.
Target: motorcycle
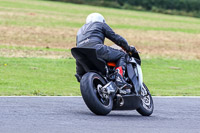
{"x": 98, "y": 88}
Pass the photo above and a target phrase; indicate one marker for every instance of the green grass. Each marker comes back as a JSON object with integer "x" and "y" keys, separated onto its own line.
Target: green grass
{"x": 172, "y": 77}
{"x": 38, "y": 76}
{"x": 58, "y": 14}
{"x": 34, "y": 48}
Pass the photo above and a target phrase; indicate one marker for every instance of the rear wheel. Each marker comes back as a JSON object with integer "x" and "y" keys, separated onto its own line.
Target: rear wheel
{"x": 98, "y": 102}
{"x": 147, "y": 106}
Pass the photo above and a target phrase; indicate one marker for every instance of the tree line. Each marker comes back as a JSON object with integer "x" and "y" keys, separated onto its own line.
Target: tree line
{"x": 176, "y": 7}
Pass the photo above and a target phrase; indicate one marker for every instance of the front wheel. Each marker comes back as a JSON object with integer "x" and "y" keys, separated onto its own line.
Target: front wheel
{"x": 147, "y": 106}
{"x": 99, "y": 103}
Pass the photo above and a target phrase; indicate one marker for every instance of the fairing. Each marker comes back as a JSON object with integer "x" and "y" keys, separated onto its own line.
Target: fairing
{"x": 135, "y": 73}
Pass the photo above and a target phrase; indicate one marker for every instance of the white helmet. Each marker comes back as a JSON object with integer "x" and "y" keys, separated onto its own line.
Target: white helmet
{"x": 95, "y": 17}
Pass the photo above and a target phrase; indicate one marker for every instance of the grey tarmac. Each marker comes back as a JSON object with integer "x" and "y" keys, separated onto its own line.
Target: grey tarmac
{"x": 70, "y": 115}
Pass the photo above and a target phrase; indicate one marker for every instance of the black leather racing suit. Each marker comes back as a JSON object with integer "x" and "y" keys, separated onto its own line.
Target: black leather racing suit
{"x": 92, "y": 35}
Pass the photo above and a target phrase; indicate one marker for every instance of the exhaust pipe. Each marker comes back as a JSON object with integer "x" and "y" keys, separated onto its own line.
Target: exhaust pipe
{"x": 120, "y": 100}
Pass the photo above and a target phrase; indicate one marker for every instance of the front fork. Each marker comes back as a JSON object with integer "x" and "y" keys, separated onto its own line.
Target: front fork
{"x": 140, "y": 75}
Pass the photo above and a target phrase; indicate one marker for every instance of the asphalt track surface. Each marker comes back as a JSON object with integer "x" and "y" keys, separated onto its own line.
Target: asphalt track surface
{"x": 70, "y": 115}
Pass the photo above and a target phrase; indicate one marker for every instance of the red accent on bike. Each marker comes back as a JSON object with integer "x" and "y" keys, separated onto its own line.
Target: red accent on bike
{"x": 120, "y": 71}
{"x": 112, "y": 64}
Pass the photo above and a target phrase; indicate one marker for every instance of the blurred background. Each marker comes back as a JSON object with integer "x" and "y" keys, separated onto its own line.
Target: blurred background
{"x": 36, "y": 37}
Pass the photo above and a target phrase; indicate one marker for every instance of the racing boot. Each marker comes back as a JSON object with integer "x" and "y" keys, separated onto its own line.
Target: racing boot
{"x": 119, "y": 80}
{"x": 78, "y": 77}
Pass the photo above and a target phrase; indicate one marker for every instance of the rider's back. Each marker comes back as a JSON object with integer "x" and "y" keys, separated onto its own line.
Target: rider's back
{"x": 90, "y": 34}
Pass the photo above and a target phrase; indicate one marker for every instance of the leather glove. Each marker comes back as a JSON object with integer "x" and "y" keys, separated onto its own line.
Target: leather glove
{"x": 132, "y": 50}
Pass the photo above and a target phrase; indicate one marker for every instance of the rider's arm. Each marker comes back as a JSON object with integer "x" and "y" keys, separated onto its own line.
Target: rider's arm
{"x": 117, "y": 39}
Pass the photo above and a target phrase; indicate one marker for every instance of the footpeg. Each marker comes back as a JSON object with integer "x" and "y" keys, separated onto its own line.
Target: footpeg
{"x": 126, "y": 86}
{"x": 125, "y": 91}
{"x": 122, "y": 92}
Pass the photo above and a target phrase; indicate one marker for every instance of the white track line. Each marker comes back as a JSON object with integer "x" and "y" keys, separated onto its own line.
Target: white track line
{"x": 81, "y": 96}
{"x": 42, "y": 96}
{"x": 176, "y": 96}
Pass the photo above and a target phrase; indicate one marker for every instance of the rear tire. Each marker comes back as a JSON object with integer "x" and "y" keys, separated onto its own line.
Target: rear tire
{"x": 147, "y": 105}
{"x": 90, "y": 84}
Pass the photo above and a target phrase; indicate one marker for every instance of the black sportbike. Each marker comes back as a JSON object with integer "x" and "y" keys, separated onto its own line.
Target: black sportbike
{"x": 98, "y": 88}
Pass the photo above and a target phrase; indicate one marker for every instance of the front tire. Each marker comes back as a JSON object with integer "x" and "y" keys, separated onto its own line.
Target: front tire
{"x": 90, "y": 85}
{"x": 147, "y": 106}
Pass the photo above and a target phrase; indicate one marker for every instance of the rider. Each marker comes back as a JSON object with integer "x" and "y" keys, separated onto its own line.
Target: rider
{"x": 92, "y": 35}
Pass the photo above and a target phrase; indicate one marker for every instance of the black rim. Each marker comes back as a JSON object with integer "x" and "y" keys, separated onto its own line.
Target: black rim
{"x": 97, "y": 84}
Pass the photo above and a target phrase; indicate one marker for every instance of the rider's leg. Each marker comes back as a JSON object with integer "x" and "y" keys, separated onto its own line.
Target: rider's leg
{"x": 113, "y": 55}
{"x": 120, "y": 71}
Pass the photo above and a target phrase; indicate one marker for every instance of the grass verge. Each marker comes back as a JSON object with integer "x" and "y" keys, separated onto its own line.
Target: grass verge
{"x": 58, "y": 14}
{"x": 41, "y": 23}
{"x": 55, "y": 77}
{"x": 33, "y": 48}
{"x": 37, "y": 76}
